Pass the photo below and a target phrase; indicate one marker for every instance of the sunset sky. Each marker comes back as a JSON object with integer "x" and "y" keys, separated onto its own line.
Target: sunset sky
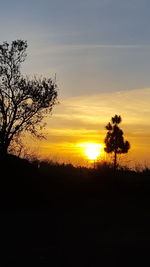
{"x": 100, "y": 52}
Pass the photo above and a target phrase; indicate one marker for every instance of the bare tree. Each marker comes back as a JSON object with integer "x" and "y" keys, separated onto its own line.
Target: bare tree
{"x": 24, "y": 102}
{"x": 114, "y": 139}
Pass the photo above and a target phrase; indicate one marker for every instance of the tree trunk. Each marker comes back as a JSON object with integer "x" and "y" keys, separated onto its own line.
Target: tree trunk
{"x": 115, "y": 161}
{"x": 4, "y": 149}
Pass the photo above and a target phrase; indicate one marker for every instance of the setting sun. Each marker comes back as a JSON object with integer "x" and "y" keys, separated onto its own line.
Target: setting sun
{"x": 91, "y": 150}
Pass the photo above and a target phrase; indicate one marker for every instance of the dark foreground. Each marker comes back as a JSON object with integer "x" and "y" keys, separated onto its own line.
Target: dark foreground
{"x": 62, "y": 216}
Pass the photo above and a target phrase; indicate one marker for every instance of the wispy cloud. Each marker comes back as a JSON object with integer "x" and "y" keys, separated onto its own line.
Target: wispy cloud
{"x": 83, "y": 119}
{"x": 132, "y": 104}
{"x": 75, "y": 47}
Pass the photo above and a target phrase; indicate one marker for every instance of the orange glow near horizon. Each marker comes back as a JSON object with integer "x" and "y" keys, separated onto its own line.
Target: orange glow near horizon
{"x": 91, "y": 150}
{"x": 75, "y": 133}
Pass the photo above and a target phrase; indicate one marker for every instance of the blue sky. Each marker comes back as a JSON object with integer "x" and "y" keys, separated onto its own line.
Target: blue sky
{"x": 92, "y": 45}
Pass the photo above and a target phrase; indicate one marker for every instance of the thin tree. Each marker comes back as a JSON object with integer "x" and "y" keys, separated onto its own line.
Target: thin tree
{"x": 24, "y": 102}
{"x": 114, "y": 139}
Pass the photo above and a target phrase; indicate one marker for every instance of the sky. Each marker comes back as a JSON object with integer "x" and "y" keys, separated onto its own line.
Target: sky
{"x": 100, "y": 53}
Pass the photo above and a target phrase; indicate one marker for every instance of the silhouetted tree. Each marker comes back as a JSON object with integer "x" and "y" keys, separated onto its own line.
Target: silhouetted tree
{"x": 23, "y": 102}
{"x": 114, "y": 139}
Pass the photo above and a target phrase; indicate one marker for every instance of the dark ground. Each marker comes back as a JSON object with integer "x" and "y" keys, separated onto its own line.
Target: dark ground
{"x": 62, "y": 216}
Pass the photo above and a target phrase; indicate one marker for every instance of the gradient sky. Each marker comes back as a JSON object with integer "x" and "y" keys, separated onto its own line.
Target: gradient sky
{"x": 100, "y": 52}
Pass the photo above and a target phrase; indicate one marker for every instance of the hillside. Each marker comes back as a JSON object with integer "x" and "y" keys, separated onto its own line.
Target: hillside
{"x": 58, "y": 215}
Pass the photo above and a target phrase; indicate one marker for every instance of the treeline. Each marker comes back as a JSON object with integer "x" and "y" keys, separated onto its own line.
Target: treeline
{"x": 41, "y": 183}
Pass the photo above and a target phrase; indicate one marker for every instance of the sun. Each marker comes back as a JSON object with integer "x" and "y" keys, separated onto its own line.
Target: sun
{"x": 92, "y": 150}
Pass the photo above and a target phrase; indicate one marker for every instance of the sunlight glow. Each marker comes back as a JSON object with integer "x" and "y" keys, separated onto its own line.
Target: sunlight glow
{"x": 92, "y": 150}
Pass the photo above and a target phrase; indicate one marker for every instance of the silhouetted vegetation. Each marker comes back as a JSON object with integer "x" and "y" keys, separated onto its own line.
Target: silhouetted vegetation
{"x": 114, "y": 139}
{"x": 23, "y": 102}
{"x": 58, "y": 215}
